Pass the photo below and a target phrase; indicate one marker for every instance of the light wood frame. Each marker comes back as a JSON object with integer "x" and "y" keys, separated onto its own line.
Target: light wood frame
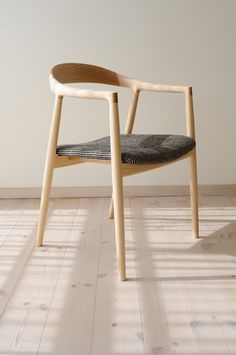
{"x": 60, "y": 77}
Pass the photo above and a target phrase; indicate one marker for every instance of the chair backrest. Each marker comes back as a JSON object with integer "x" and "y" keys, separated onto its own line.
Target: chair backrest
{"x": 85, "y": 73}
{"x": 68, "y": 73}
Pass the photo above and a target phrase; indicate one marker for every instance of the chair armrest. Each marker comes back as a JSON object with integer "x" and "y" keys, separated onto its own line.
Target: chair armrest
{"x": 67, "y": 90}
{"x": 161, "y": 88}
{"x": 186, "y": 90}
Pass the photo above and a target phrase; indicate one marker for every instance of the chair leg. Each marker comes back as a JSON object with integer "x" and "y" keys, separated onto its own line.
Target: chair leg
{"x": 119, "y": 224}
{"x": 117, "y": 185}
{"x": 44, "y": 204}
{"x": 48, "y": 173}
{"x": 194, "y": 193}
{"x": 111, "y": 209}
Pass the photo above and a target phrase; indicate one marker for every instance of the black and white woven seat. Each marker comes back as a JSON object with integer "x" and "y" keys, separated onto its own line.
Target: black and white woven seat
{"x": 135, "y": 148}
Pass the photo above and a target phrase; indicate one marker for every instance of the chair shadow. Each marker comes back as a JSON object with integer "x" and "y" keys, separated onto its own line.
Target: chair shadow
{"x": 220, "y": 242}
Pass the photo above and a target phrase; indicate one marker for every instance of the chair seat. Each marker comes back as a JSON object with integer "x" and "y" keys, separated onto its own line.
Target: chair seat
{"x": 135, "y": 148}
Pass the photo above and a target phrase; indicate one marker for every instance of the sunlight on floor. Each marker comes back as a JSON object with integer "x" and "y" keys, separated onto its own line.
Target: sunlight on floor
{"x": 64, "y": 298}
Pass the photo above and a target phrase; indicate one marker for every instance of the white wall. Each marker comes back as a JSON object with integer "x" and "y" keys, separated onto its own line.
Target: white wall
{"x": 165, "y": 41}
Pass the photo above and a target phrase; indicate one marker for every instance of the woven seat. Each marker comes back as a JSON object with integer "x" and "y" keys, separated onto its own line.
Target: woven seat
{"x": 135, "y": 148}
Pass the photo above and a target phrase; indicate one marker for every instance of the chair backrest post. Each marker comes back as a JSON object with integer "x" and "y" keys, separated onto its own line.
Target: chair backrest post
{"x": 132, "y": 112}
{"x": 189, "y": 113}
{"x": 56, "y": 117}
{"x": 114, "y": 128}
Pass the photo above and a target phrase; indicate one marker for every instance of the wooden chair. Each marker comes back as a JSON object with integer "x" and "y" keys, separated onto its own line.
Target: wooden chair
{"x": 128, "y": 154}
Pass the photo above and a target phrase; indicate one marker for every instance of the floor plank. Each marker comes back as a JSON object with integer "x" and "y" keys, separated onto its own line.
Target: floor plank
{"x": 17, "y": 226}
{"x": 70, "y": 320}
{"x": 117, "y": 323}
{"x": 27, "y": 309}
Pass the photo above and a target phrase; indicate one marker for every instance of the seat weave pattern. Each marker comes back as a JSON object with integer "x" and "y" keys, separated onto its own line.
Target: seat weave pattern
{"x": 135, "y": 148}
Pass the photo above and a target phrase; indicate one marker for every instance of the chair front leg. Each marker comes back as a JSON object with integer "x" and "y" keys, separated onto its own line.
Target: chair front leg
{"x": 49, "y": 166}
{"x": 44, "y": 203}
{"x": 117, "y": 186}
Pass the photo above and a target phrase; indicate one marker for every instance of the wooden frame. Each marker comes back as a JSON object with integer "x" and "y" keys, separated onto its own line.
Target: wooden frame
{"x": 60, "y": 77}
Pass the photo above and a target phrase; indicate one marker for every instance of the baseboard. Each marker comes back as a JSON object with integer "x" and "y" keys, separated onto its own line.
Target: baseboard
{"x": 105, "y": 191}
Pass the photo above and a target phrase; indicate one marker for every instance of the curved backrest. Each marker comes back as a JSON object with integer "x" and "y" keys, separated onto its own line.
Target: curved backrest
{"x": 86, "y": 73}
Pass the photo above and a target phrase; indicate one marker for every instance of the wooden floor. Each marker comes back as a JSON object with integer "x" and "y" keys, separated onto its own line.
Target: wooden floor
{"x": 64, "y": 298}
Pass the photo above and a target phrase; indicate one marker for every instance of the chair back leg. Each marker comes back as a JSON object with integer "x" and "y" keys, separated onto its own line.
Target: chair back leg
{"x": 194, "y": 192}
{"x": 111, "y": 209}
{"x": 119, "y": 224}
